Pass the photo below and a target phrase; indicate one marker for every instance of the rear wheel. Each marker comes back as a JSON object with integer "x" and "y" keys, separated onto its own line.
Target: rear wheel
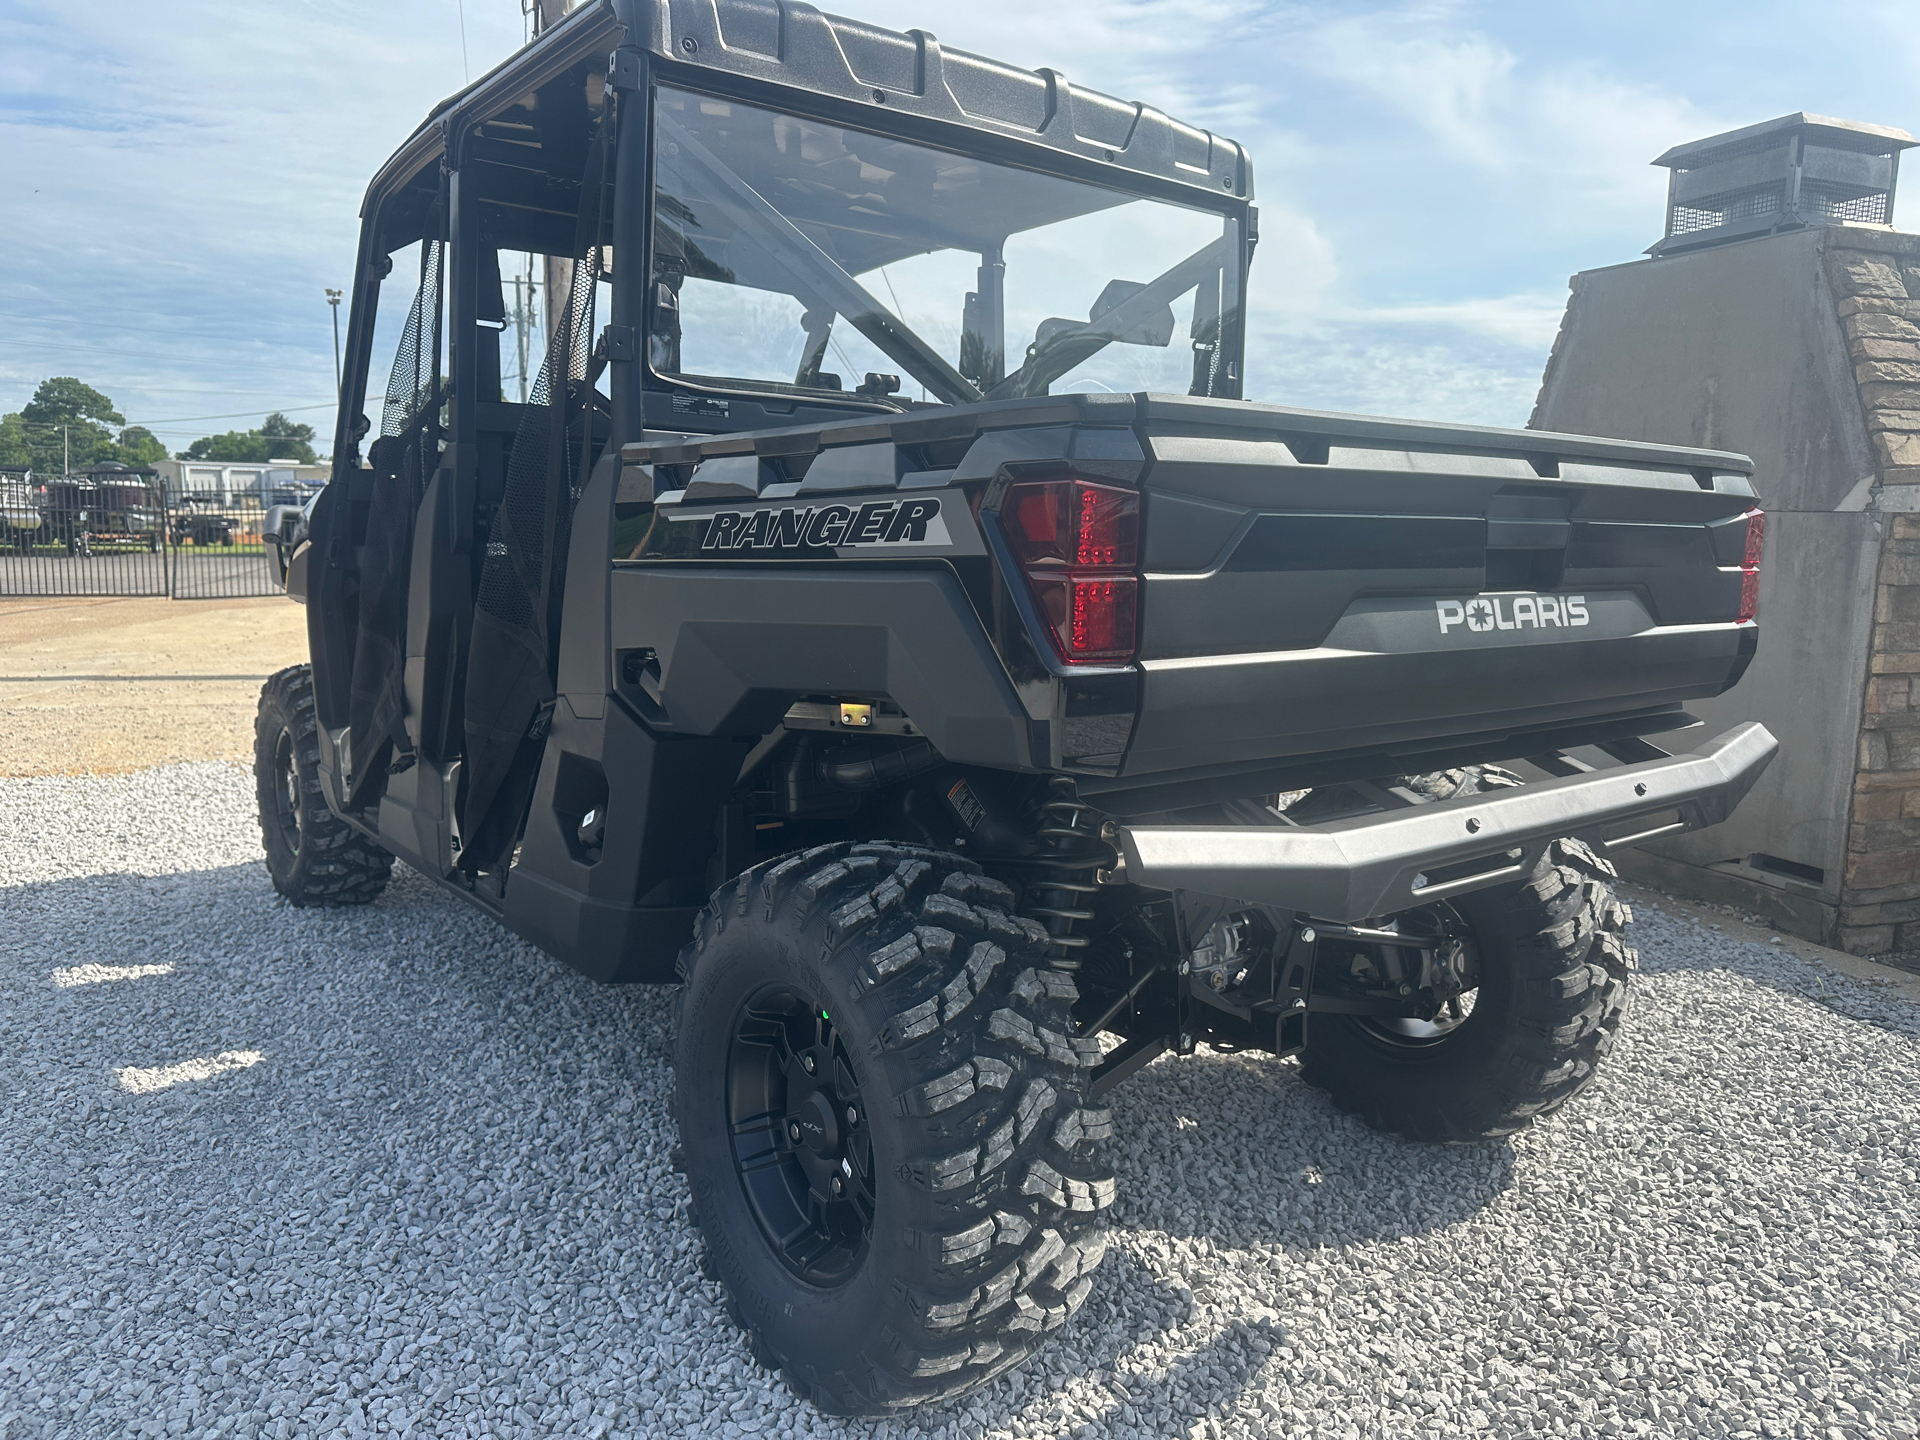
{"x": 313, "y": 856}
{"x": 882, "y": 1105}
{"x": 1541, "y": 970}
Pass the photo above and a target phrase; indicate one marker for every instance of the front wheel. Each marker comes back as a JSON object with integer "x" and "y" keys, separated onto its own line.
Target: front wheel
{"x": 1545, "y": 967}
{"x": 883, "y": 1115}
{"x": 313, "y": 856}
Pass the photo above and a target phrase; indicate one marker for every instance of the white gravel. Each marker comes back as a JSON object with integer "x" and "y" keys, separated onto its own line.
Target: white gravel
{"x": 389, "y": 1169}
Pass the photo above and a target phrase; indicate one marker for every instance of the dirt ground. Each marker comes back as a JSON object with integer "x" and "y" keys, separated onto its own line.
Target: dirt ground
{"x": 98, "y": 686}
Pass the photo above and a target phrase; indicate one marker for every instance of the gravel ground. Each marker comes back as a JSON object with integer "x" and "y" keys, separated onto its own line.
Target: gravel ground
{"x": 271, "y": 1171}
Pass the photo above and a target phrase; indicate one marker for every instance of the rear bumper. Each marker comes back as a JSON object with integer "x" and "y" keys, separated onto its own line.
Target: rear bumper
{"x": 1377, "y": 865}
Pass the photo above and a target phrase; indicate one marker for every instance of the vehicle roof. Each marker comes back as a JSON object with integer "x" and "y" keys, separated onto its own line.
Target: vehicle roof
{"x": 795, "y": 46}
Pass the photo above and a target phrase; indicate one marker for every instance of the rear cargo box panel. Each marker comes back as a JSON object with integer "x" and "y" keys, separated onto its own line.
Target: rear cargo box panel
{"x": 1323, "y": 583}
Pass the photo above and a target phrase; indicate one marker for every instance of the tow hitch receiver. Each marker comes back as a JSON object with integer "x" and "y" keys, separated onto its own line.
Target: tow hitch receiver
{"x": 1379, "y": 864}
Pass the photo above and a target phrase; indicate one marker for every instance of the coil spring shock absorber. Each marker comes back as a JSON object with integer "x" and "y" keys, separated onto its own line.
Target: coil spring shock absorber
{"x": 1070, "y": 851}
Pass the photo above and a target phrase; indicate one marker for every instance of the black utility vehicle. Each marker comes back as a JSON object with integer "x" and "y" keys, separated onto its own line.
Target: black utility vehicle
{"x": 199, "y": 520}
{"x": 888, "y": 621}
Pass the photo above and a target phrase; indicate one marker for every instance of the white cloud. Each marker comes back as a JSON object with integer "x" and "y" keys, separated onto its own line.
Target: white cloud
{"x": 185, "y": 184}
{"x": 1525, "y": 320}
{"x": 1416, "y": 60}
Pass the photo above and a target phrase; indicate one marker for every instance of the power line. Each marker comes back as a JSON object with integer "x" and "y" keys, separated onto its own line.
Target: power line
{"x": 177, "y": 419}
{"x": 243, "y": 414}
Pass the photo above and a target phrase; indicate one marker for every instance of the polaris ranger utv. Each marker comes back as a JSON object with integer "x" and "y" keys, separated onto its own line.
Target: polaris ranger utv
{"x": 885, "y": 619}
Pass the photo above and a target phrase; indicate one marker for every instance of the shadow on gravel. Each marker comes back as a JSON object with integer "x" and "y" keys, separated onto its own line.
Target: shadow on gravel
{"x": 1237, "y": 1149}
{"x": 1132, "y": 1367}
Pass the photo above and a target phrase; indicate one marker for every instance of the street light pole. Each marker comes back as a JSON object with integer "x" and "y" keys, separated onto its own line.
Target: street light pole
{"x": 333, "y": 299}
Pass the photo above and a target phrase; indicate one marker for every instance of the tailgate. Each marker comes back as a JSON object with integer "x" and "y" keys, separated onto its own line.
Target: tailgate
{"x": 1320, "y": 583}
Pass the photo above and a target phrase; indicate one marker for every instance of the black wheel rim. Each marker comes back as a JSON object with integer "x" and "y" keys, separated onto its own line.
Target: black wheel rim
{"x": 800, "y": 1142}
{"x": 1439, "y": 932}
{"x": 286, "y": 791}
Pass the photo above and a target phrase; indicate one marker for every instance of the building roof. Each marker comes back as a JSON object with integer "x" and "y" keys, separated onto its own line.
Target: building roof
{"x": 1823, "y": 129}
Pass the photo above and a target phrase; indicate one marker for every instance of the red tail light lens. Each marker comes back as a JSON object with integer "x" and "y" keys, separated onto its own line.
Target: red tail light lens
{"x": 1750, "y": 565}
{"x": 1078, "y": 544}
{"x": 1072, "y": 522}
{"x": 1091, "y": 616}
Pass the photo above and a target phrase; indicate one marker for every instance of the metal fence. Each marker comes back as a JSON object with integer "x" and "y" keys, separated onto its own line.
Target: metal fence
{"x": 132, "y": 540}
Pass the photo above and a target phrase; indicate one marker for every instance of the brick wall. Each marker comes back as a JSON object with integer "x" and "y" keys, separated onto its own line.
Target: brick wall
{"x": 1876, "y": 289}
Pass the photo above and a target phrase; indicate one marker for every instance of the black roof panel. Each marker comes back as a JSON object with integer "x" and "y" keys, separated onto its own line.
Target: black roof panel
{"x": 785, "y": 42}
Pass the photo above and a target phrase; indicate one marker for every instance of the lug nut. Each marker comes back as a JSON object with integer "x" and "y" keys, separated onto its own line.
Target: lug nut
{"x": 838, "y": 1186}
{"x": 1308, "y": 935}
{"x": 853, "y": 1116}
{"x": 793, "y": 1132}
{"x": 806, "y": 1064}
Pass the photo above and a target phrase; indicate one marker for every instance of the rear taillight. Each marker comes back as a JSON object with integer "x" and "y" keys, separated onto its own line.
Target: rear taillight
{"x": 1078, "y": 544}
{"x": 1750, "y": 565}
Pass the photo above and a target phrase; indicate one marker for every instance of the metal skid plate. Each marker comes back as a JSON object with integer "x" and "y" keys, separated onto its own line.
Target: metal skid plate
{"x": 1381, "y": 864}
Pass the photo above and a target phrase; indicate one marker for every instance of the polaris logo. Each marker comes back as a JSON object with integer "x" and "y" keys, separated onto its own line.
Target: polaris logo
{"x": 1512, "y": 612}
{"x": 877, "y": 523}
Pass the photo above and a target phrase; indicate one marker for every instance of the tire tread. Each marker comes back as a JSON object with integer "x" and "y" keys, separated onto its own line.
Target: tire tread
{"x": 967, "y": 1015}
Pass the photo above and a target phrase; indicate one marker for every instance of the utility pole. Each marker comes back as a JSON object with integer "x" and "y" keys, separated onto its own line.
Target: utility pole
{"x": 66, "y": 455}
{"x": 333, "y": 299}
{"x": 559, "y": 274}
{"x": 523, "y": 293}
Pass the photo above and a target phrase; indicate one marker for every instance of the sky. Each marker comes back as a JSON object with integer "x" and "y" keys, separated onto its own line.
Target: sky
{"x": 180, "y": 184}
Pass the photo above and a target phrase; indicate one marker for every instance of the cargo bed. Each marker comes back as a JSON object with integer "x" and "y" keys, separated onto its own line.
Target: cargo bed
{"x": 1314, "y": 589}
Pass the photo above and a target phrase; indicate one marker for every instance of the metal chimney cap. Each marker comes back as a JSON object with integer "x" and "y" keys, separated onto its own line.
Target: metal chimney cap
{"x": 1842, "y": 134}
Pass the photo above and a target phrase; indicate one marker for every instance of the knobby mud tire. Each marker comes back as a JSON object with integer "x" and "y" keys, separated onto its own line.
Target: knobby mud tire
{"x": 988, "y": 1175}
{"x": 330, "y": 863}
{"x": 1554, "y": 971}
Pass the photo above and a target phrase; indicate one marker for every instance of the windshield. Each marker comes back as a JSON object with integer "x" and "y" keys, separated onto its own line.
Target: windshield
{"x": 790, "y": 254}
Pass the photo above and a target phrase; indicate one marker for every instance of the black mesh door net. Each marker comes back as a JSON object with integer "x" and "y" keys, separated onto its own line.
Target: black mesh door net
{"x": 516, "y": 623}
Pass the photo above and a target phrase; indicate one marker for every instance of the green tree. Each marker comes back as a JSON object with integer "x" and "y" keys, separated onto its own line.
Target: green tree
{"x": 278, "y": 438}
{"x": 234, "y": 447}
{"x": 291, "y": 439}
{"x": 14, "y": 447}
{"x": 140, "y": 446}
{"x": 67, "y": 410}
